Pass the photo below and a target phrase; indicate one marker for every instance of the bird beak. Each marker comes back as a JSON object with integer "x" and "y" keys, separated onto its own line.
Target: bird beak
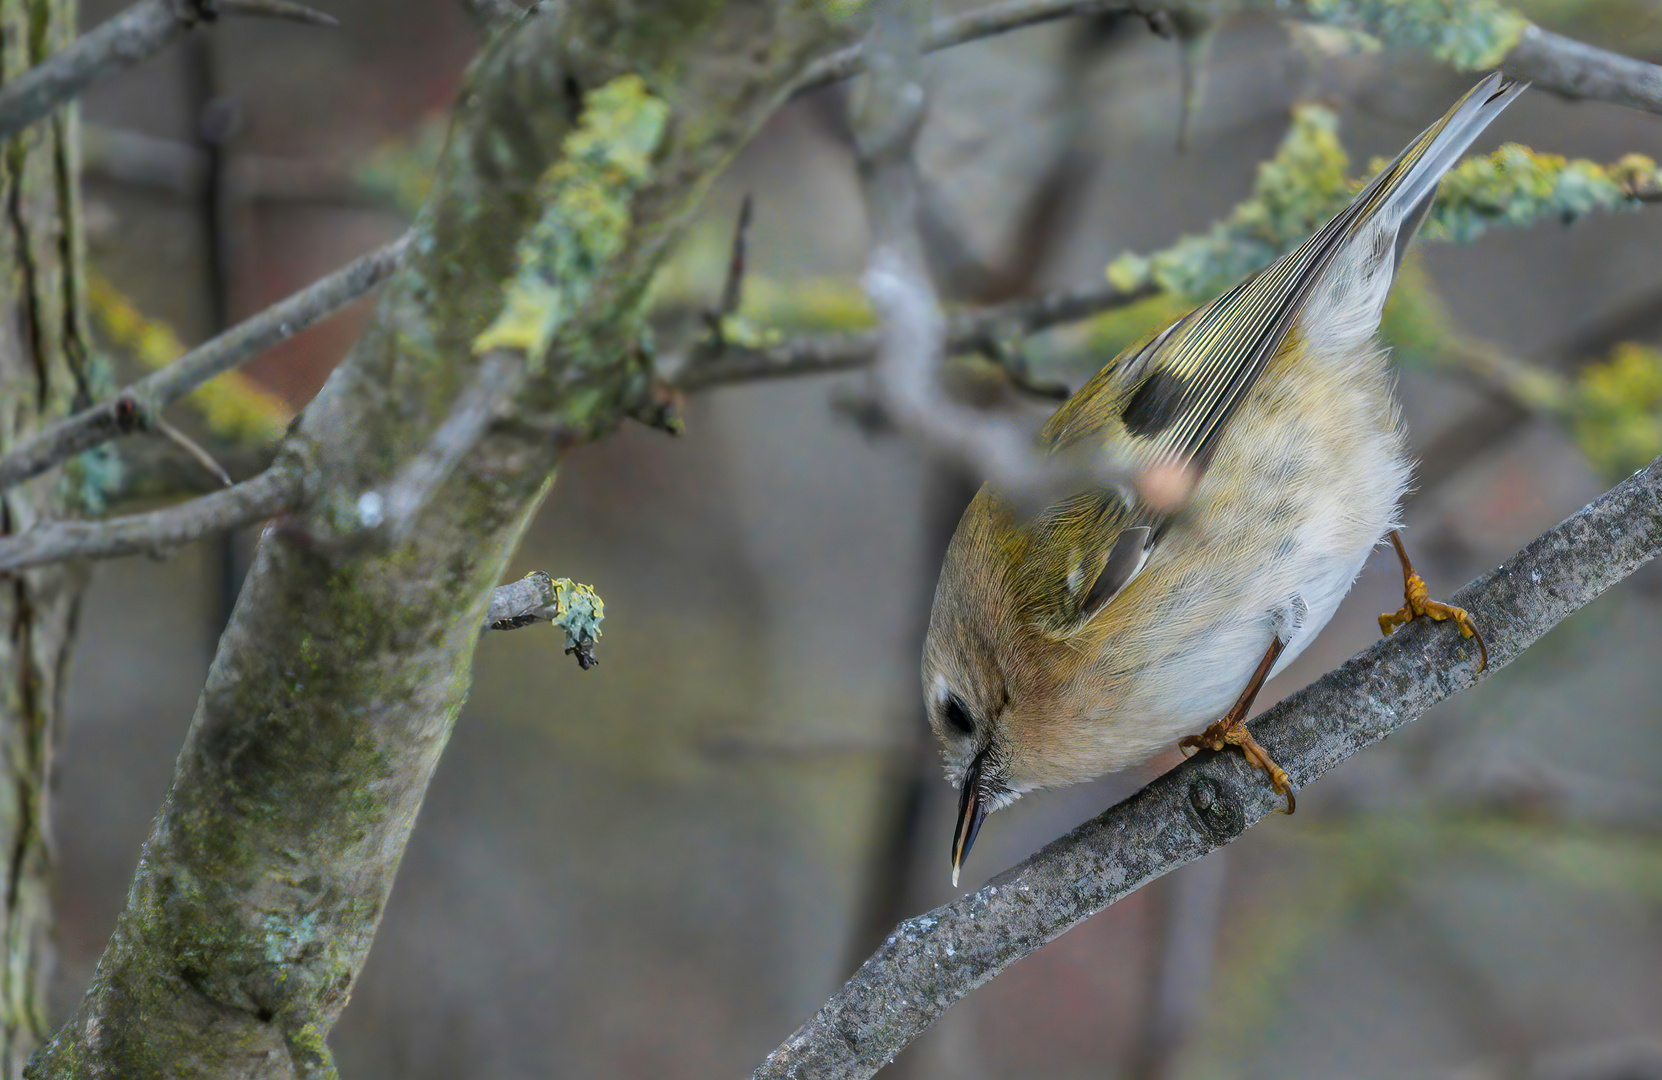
{"x": 972, "y": 811}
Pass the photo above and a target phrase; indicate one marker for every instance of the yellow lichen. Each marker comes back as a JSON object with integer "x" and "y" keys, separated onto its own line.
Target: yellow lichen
{"x": 233, "y": 406}
{"x": 1616, "y": 409}
{"x": 1472, "y": 35}
{"x": 586, "y": 196}
{"x": 1304, "y": 184}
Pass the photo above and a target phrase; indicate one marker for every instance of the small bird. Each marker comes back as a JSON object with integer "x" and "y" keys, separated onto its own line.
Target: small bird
{"x": 1087, "y": 637}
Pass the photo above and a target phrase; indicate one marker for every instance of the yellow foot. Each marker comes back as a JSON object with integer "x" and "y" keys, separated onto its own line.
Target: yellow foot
{"x": 1418, "y": 605}
{"x": 1224, "y": 733}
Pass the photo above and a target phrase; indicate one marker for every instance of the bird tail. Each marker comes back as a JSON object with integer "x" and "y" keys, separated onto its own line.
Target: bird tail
{"x": 1402, "y": 193}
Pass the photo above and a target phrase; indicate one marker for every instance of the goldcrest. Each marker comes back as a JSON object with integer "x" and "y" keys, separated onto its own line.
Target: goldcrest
{"x": 1090, "y": 636}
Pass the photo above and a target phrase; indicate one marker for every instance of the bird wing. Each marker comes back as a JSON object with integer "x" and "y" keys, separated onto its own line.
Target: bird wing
{"x": 1183, "y": 386}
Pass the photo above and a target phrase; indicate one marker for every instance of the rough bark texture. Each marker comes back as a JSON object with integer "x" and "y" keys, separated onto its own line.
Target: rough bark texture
{"x": 346, "y": 661}
{"x": 42, "y": 374}
{"x": 932, "y": 961}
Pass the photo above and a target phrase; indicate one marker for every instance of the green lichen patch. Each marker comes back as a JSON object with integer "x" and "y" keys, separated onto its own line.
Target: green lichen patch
{"x": 581, "y": 611}
{"x": 1296, "y": 190}
{"x": 1472, "y": 35}
{"x": 1304, "y": 184}
{"x": 1518, "y": 186}
{"x": 586, "y": 196}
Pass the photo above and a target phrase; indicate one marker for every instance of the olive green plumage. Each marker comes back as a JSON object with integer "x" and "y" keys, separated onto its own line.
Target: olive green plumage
{"x": 1092, "y": 635}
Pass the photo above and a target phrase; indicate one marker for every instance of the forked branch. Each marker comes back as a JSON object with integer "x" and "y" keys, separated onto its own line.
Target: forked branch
{"x": 134, "y": 408}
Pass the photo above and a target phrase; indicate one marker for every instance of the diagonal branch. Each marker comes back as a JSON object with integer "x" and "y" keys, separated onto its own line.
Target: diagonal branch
{"x": 1585, "y": 72}
{"x": 158, "y": 532}
{"x": 932, "y": 961}
{"x": 134, "y": 408}
{"x": 118, "y": 44}
{"x": 501, "y": 374}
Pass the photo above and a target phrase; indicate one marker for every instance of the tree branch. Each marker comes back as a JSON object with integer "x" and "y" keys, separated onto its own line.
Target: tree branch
{"x": 946, "y": 32}
{"x": 118, "y": 44}
{"x": 156, "y": 533}
{"x": 134, "y": 408}
{"x": 1585, "y": 72}
{"x": 344, "y": 666}
{"x": 934, "y": 960}
{"x": 983, "y": 330}
{"x": 1552, "y": 61}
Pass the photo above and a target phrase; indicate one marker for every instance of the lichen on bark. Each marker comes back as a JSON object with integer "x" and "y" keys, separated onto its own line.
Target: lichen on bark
{"x": 43, "y": 365}
{"x": 344, "y": 665}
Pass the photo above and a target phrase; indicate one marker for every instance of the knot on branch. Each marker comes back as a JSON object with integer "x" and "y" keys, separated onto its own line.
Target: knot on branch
{"x": 1214, "y": 811}
{"x": 131, "y": 414}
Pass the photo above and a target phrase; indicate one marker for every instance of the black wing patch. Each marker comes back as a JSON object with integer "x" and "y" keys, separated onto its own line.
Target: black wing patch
{"x": 1155, "y": 403}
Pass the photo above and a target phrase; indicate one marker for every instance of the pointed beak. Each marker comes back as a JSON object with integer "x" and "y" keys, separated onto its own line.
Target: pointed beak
{"x": 972, "y": 811}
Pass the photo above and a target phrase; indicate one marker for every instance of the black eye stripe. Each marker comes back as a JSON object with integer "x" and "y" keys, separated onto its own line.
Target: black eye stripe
{"x": 958, "y": 716}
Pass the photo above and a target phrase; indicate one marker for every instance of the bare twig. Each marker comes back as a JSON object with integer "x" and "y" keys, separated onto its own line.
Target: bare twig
{"x": 913, "y": 338}
{"x": 272, "y": 492}
{"x": 501, "y": 372}
{"x": 136, "y": 407}
{"x": 933, "y": 960}
{"x": 116, "y": 45}
{"x": 1577, "y": 70}
{"x": 732, "y": 293}
{"x": 525, "y": 602}
{"x": 191, "y": 447}
{"x": 944, "y": 33}
{"x": 974, "y": 331}
{"x": 1552, "y": 61}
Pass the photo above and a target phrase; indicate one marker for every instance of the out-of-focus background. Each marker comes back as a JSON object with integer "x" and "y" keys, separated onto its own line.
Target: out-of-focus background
{"x": 658, "y": 868}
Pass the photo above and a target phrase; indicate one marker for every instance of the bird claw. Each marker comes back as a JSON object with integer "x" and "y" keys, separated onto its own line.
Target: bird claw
{"x": 1417, "y": 604}
{"x": 1223, "y": 733}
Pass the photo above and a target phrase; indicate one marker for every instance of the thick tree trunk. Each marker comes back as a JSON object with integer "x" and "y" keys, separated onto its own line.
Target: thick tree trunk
{"x": 582, "y": 142}
{"x": 43, "y": 368}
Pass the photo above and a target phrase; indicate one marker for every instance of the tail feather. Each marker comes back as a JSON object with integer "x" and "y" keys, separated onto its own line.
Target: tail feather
{"x": 1403, "y": 190}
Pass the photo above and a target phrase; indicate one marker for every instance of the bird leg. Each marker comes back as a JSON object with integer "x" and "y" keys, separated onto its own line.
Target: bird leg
{"x": 1417, "y": 604}
{"x": 1232, "y": 729}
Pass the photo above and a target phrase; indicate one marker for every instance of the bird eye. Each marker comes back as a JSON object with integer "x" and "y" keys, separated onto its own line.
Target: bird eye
{"x": 958, "y": 716}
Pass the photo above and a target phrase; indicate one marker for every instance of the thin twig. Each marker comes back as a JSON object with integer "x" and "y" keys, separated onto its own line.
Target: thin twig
{"x": 136, "y": 407}
{"x": 912, "y": 340}
{"x": 1552, "y": 61}
{"x": 191, "y": 447}
{"x": 732, "y": 293}
{"x": 119, "y": 43}
{"x": 973, "y": 331}
{"x": 934, "y": 960}
{"x": 395, "y": 510}
{"x": 944, "y": 33}
{"x": 272, "y": 492}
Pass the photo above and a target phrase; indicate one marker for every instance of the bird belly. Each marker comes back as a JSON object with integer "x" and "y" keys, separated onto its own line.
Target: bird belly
{"x": 1301, "y": 489}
